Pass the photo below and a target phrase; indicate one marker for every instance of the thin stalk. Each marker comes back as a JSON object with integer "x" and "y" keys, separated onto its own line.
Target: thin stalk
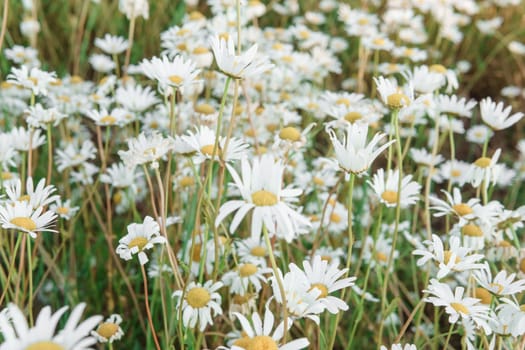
{"x": 11, "y": 268}
{"x": 49, "y": 154}
{"x": 278, "y": 279}
{"x": 30, "y": 273}
{"x": 131, "y": 34}
{"x": 148, "y": 312}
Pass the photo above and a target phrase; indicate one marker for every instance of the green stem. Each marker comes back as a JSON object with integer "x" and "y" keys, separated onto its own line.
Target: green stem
{"x": 49, "y": 154}
{"x": 30, "y": 273}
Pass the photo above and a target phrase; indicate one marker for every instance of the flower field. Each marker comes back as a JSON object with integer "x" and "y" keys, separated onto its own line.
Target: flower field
{"x": 262, "y": 175}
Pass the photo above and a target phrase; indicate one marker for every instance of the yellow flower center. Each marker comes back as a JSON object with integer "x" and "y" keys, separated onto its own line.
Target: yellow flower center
{"x": 483, "y": 295}
{"x": 117, "y": 197}
{"x": 247, "y": 270}
{"x": 379, "y": 41}
{"x": 522, "y": 265}
{"x": 24, "y": 222}
{"x": 261, "y": 150}
{"x": 343, "y": 101}
{"x": 335, "y": 218}
{"x": 290, "y": 133}
{"x": 263, "y": 198}
{"x": 6, "y": 175}
{"x": 326, "y": 258}
{"x": 242, "y": 342}
{"x": 438, "y": 68}
{"x": 352, "y": 117}
{"x": 262, "y": 342}
{"x": 241, "y": 299}
{"x": 504, "y": 244}
{"x": 196, "y": 256}
{"x": 318, "y": 181}
{"x": 44, "y": 345}
{"x": 195, "y": 15}
{"x": 205, "y": 108}
{"x": 447, "y": 254}
{"x": 139, "y": 242}
{"x": 322, "y": 288}
{"x": 63, "y": 210}
{"x": 397, "y": 100}
{"x": 381, "y": 257}
{"x": 108, "y": 119}
{"x": 175, "y": 79}
{"x": 499, "y": 288}
{"x": 208, "y": 150}
{"x": 460, "y": 308}
{"x": 522, "y": 308}
{"x": 483, "y": 162}
{"x": 198, "y": 297}
{"x": 462, "y": 209}
{"x": 362, "y": 21}
{"x": 304, "y": 34}
{"x": 200, "y": 50}
{"x": 107, "y": 329}
{"x": 287, "y": 58}
{"x": 390, "y": 196}
{"x": 24, "y": 198}
{"x": 75, "y": 79}
{"x": 258, "y": 251}
{"x": 187, "y": 181}
{"x": 472, "y": 230}
{"x": 33, "y": 80}
{"x": 455, "y": 173}
{"x": 312, "y": 105}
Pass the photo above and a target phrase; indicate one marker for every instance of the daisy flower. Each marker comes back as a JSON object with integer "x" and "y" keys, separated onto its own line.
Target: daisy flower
{"x": 74, "y": 154}
{"x": 40, "y": 117}
{"x": 22, "y": 217}
{"x": 457, "y": 305}
{"x": 22, "y": 139}
{"x": 246, "y": 65}
{"x": 454, "y": 106}
{"x": 495, "y": 116}
{"x": 145, "y": 149}
{"x": 106, "y": 118}
{"x": 63, "y": 209}
{"x": 455, "y": 205}
{"x": 456, "y": 258}
{"x": 261, "y": 189}
{"x": 136, "y": 98}
{"x": 252, "y": 250}
{"x": 326, "y": 278}
{"x": 109, "y": 330}
{"x": 484, "y": 170}
{"x": 18, "y": 335}
{"x": 140, "y": 237}
{"x": 400, "y": 347}
{"x": 392, "y": 95}
{"x": 260, "y": 334}
{"x": 199, "y": 303}
{"x": 112, "y": 44}
{"x": 516, "y": 313}
{"x": 245, "y": 275}
{"x": 388, "y": 192}
{"x": 202, "y": 143}
{"x": 501, "y": 284}
{"x": 38, "y": 196}
{"x": 102, "y": 63}
{"x": 170, "y": 74}
{"x": 34, "y": 79}
{"x": 354, "y": 154}
{"x": 134, "y": 8}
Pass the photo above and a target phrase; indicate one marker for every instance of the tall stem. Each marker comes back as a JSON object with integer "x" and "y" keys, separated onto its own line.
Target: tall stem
{"x": 278, "y": 279}
{"x": 148, "y": 312}
{"x": 49, "y": 154}
{"x": 131, "y": 34}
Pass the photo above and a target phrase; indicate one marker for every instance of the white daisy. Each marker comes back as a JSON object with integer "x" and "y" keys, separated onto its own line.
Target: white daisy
{"x": 112, "y": 44}
{"x": 495, "y": 116}
{"x": 34, "y": 79}
{"x": 245, "y": 275}
{"x": 170, "y": 74}
{"x": 109, "y": 330}
{"x": 140, "y": 237}
{"x": 392, "y": 95}
{"x": 18, "y": 335}
{"x": 354, "y": 154}
{"x": 501, "y": 284}
{"x": 455, "y": 205}
{"x": 387, "y": 189}
{"x": 261, "y": 190}
{"x": 200, "y": 303}
{"x": 22, "y": 217}
{"x": 145, "y": 149}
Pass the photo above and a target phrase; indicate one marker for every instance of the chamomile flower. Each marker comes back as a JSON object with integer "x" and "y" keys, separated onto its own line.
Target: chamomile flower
{"x": 25, "y": 139}
{"x": 246, "y": 65}
{"x": 64, "y": 209}
{"x": 112, "y": 44}
{"x": 201, "y": 302}
{"x": 34, "y": 79}
{"x": 400, "y": 347}
{"x": 109, "y": 330}
{"x": 44, "y": 335}
{"x": 516, "y": 313}
{"x": 22, "y": 217}
{"x": 170, "y": 74}
{"x": 456, "y": 258}
{"x": 134, "y": 8}
{"x": 455, "y": 205}
{"x": 146, "y": 148}
{"x": 260, "y": 334}
{"x": 38, "y": 196}
{"x": 388, "y": 192}
{"x": 495, "y": 116}
{"x": 40, "y": 117}
{"x": 484, "y": 170}
{"x": 140, "y": 237}
{"x": 354, "y": 154}
{"x": 245, "y": 275}
{"x": 102, "y": 63}
{"x": 74, "y": 154}
{"x": 501, "y": 284}
{"x": 260, "y": 185}
{"x": 104, "y": 117}
{"x": 136, "y": 98}
{"x": 326, "y": 278}
{"x": 392, "y": 95}
{"x": 455, "y": 106}
{"x": 457, "y": 305}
